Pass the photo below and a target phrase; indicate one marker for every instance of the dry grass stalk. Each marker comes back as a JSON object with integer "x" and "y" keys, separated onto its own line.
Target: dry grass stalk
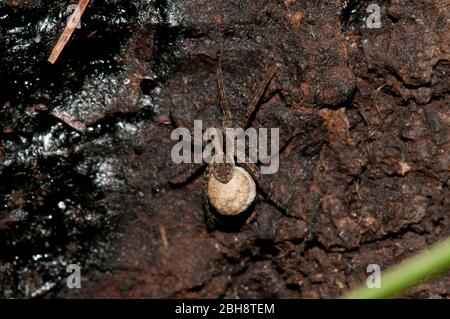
{"x": 68, "y": 30}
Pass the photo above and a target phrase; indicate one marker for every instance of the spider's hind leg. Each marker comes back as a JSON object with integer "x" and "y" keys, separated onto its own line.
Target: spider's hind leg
{"x": 210, "y": 219}
{"x": 264, "y": 186}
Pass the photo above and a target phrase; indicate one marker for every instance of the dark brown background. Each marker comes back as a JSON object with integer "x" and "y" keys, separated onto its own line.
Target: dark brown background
{"x": 85, "y": 145}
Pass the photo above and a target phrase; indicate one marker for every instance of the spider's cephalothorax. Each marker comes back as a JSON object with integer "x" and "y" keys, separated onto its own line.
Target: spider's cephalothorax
{"x": 230, "y": 187}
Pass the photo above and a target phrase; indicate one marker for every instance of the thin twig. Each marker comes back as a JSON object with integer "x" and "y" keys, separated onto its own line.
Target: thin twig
{"x": 68, "y": 30}
{"x": 377, "y": 91}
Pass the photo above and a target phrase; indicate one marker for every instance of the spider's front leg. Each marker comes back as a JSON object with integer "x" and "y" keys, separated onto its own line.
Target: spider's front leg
{"x": 226, "y": 121}
{"x": 190, "y": 169}
{"x": 180, "y": 124}
{"x": 254, "y": 102}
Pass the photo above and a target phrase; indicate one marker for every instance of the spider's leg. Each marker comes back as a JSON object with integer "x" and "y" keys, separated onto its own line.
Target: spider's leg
{"x": 188, "y": 171}
{"x": 254, "y": 102}
{"x": 210, "y": 220}
{"x": 264, "y": 186}
{"x": 289, "y": 140}
{"x": 179, "y": 123}
{"x": 226, "y": 121}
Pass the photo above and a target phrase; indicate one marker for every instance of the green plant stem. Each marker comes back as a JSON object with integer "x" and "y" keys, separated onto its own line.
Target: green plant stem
{"x": 406, "y": 274}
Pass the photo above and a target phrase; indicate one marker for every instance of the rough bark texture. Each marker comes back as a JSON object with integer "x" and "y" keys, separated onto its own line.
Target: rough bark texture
{"x": 85, "y": 145}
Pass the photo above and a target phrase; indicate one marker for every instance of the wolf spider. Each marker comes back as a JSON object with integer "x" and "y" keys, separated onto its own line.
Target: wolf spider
{"x": 221, "y": 173}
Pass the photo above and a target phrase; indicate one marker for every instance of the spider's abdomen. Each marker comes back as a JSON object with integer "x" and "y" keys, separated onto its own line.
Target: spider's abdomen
{"x": 233, "y": 197}
{"x": 223, "y": 172}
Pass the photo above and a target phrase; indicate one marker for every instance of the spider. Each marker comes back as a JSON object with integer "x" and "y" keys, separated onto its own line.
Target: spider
{"x": 230, "y": 186}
